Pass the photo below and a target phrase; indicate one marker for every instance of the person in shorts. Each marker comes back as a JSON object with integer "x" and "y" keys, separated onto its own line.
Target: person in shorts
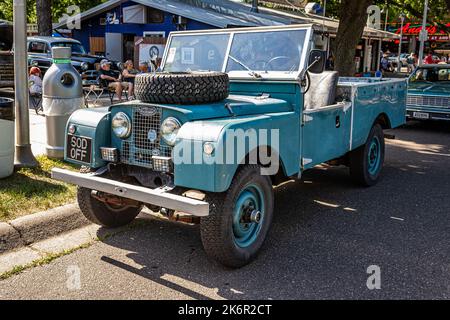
{"x": 129, "y": 74}
{"x": 112, "y": 80}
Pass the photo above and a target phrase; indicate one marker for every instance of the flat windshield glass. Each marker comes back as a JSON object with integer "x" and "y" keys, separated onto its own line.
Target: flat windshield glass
{"x": 430, "y": 75}
{"x": 199, "y": 52}
{"x": 76, "y": 47}
{"x": 267, "y": 51}
{"x": 259, "y": 53}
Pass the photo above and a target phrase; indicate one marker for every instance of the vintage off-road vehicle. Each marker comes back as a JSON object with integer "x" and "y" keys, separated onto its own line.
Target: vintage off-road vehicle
{"x": 233, "y": 113}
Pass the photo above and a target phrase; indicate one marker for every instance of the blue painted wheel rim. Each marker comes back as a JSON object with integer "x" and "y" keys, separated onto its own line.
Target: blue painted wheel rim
{"x": 246, "y": 232}
{"x": 374, "y": 156}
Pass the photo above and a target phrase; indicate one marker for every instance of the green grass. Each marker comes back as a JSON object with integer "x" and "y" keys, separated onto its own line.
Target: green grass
{"x": 32, "y": 190}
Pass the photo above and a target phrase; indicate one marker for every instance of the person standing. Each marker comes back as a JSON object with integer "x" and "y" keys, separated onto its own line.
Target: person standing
{"x": 429, "y": 58}
{"x": 385, "y": 64}
{"x": 35, "y": 81}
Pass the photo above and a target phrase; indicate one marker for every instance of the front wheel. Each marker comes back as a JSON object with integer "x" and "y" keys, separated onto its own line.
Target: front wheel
{"x": 104, "y": 214}
{"x": 367, "y": 161}
{"x": 239, "y": 219}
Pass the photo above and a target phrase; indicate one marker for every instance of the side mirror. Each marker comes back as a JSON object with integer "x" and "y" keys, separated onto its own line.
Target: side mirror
{"x": 317, "y": 60}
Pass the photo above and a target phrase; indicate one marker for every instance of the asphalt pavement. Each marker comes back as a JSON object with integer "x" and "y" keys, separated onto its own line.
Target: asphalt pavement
{"x": 326, "y": 233}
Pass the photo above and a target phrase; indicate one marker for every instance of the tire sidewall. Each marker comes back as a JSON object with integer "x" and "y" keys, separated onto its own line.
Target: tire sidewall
{"x": 376, "y": 131}
{"x": 99, "y": 213}
{"x": 251, "y": 177}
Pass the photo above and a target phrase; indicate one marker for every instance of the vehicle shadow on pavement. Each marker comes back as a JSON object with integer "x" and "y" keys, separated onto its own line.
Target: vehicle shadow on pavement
{"x": 325, "y": 234}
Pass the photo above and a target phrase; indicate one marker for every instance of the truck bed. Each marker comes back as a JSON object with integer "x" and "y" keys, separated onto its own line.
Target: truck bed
{"x": 332, "y": 131}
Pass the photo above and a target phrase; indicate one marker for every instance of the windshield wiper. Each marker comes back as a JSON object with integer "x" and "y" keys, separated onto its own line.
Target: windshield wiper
{"x": 251, "y": 72}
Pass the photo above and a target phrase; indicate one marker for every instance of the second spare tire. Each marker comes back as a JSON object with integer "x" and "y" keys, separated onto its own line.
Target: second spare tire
{"x": 181, "y": 87}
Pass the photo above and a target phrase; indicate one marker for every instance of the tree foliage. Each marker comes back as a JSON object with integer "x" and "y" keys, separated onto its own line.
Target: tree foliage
{"x": 58, "y": 8}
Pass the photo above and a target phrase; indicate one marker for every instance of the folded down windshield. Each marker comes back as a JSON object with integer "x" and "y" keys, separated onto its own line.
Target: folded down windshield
{"x": 250, "y": 53}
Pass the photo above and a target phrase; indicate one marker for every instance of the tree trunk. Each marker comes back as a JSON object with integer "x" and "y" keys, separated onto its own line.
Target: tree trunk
{"x": 353, "y": 19}
{"x": 44, "y": 17}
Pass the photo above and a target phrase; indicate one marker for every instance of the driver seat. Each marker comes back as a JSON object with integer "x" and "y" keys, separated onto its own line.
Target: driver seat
{"x": 322, "y": 91}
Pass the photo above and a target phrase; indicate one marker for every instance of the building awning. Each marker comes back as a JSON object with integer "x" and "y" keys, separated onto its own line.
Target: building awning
{"x": 225, "y": 14}
{"x": 329, "y": 25}
{"x": 221, "y": 14}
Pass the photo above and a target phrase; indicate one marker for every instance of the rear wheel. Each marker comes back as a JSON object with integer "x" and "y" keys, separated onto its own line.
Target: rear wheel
{"x": 104, "y": 214}
{"x": 239, "y": 219}
{"x": 366, "y": 162}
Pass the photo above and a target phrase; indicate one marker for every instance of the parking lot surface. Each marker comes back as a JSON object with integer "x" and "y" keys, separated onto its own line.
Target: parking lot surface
{"x": 326, "y": 233}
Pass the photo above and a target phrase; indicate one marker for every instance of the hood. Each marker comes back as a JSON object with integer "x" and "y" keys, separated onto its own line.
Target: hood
{"x": 238, "y": 105}
{"x": 86, "y": 58}
{"x": 430, "y": 88}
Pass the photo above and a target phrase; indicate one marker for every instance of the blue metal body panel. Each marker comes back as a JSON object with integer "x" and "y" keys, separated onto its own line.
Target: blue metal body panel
{"x": 370, "y": 101}
{"x": 94, "y": 124}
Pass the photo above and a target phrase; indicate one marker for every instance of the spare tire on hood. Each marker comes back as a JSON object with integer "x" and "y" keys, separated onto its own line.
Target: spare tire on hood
{"x": 181, "y": 87}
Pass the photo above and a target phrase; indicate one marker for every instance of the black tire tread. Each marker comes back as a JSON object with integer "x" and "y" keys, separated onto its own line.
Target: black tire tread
{"x": 214, "y": 229}
{"x": 358, "y": 170}
{"x": 182, "y": 88}
{"x": 96, "y": 211}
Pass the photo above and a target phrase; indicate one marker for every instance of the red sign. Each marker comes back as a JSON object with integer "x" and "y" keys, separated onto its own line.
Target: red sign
{"x": 409, "y": 29}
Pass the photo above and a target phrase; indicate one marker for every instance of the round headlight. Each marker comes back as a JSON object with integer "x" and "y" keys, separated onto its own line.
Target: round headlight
{"x": 84, "y": 66}
{"x": 121, "y": 125}
{"x": 169, "y": 130}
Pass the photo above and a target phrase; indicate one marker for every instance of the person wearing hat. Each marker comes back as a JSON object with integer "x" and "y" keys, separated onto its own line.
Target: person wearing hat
{"x": 110, "y": 79}
{"x": 35, "y": 81}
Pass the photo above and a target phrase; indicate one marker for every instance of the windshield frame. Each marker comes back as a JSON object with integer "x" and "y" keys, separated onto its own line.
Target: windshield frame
{"x": 244, "y": 74}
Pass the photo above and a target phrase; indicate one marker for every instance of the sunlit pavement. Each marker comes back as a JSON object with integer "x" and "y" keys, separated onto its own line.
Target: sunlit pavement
{"x": 325, "y": 235}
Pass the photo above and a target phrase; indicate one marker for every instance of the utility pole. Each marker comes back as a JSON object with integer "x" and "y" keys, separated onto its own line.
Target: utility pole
{"x": 23, "y": 155}
{"x": 423, "y": 33}
{"x": 399, "y": 63}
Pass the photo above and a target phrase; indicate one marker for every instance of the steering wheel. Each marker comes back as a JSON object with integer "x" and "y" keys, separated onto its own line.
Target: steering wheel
{"x": 275, "y": 59}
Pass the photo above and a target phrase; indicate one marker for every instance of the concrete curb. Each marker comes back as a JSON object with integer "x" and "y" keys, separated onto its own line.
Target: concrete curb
{"x": 39, "y": 226}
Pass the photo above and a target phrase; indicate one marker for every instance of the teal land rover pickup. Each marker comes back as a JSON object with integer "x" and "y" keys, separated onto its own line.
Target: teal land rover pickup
{"x": 233, "y": 113}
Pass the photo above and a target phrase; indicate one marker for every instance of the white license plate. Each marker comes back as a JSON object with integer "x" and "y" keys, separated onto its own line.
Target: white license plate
{"x": 421, "y": 115}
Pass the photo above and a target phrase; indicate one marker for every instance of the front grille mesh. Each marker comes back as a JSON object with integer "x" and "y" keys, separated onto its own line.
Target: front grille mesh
{"x": 145, "y": 140}
{"x": 431, "y": 101}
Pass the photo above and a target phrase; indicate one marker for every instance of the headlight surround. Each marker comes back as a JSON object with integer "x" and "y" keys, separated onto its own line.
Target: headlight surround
{"x": 121, "y": 125}
{"x": 84, "y": 66}
{"x": 169, "y": 130}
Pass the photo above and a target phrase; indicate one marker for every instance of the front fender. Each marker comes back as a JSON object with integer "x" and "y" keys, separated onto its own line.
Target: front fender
{"x": 94, "y": 124}
{"x": 215, "y": 173}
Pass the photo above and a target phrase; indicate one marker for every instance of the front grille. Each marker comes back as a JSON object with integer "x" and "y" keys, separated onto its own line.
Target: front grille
{"x": 431, "y": 101}
{"x": 6, "y": 72}
{"x": 145, "y": 140}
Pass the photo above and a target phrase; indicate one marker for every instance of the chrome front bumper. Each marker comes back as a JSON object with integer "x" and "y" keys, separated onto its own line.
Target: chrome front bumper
{"x": 158, "y": 197}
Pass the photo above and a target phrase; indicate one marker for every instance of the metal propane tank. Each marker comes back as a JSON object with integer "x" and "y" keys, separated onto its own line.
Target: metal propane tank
{"x": 62, "y": 94}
